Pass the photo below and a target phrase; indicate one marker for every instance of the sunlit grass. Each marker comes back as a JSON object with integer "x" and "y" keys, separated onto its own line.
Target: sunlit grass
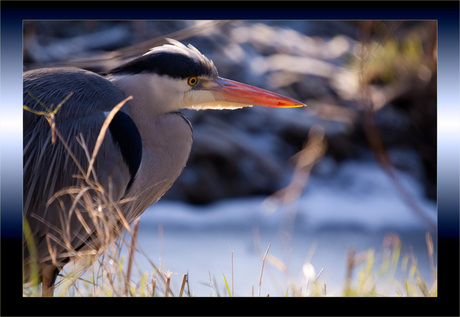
{"x": 379, "y": 277}
{"x": 370, "y": 273}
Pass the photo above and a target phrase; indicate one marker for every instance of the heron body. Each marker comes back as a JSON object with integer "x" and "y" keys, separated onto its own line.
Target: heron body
{"x": 144, "y": 150}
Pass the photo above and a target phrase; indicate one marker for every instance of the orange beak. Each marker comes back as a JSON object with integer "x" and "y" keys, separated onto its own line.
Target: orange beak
{"x": 234, "y": 92}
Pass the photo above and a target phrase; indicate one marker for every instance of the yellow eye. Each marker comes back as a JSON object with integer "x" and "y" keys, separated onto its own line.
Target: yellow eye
{"x": 192, "y": 81}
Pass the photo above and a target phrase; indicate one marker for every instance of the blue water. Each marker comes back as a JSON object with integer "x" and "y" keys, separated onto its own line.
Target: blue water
{"x": 356, "y": 208}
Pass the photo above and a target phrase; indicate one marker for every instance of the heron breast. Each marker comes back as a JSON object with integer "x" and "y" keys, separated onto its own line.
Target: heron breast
{"x": 167, "y": 142}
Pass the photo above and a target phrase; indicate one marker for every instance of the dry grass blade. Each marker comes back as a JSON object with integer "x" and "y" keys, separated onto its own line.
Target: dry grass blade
{"x": 319, "y": 274}
{"x": 51, "y": 251}
{"x": 69, "y": 151}
{"x": 154, "y": 286}
{"x": 131, "y": 255}
{"x": 50, "y": 115}
{"x": 167, "y": 284}
{"x": 82, "y": 221}
{"x": 63, "y": 192}
{"x": 312, "y": 151}
{"x": 121, "y": 216}
{"x": 182, "y": 286}
{"x": 350, "y": 266}
{"x": 210, "y": 283}
{"x": 262, "y": 268}
{"x": 50, "y": 118}
{"x": 101, "y": 135}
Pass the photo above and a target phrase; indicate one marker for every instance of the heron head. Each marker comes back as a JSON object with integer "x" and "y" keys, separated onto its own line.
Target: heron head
{"x": 181, "y": 77}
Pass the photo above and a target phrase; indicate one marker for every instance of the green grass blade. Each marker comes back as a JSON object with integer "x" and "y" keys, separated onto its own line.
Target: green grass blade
{"x": 226, "y": 286}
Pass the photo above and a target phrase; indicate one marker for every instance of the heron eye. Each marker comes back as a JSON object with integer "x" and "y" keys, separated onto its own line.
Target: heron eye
{"x": 192, "y": 81}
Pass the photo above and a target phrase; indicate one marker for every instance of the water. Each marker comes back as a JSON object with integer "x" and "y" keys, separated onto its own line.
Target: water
{"x": 207, "y": 253}
{"x": 355, "y": 208}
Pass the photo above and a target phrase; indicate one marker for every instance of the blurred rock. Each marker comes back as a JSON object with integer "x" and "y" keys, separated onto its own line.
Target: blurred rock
{"x": 78, "y": 46}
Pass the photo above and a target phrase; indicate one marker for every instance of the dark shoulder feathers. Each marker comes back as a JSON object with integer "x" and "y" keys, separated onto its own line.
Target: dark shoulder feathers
{"x": 126, "y": 136}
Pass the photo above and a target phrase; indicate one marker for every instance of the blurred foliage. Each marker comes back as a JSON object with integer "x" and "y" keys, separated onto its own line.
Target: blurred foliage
{"x": 394, "y": 60}
{"x": 397, "y": 49}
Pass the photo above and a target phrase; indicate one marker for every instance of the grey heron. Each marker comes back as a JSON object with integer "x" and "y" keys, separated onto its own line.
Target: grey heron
{"x": 145, "y": 148}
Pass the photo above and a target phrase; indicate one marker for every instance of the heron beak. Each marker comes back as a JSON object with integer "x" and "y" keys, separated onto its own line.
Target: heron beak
{"x": 234, "y": 92}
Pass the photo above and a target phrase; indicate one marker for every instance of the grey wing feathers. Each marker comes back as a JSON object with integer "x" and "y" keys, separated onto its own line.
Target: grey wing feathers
{"x": 48, "y": 167}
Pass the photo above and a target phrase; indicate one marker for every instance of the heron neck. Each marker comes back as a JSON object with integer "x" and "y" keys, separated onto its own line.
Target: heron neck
{"x": 147, "y": 102}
